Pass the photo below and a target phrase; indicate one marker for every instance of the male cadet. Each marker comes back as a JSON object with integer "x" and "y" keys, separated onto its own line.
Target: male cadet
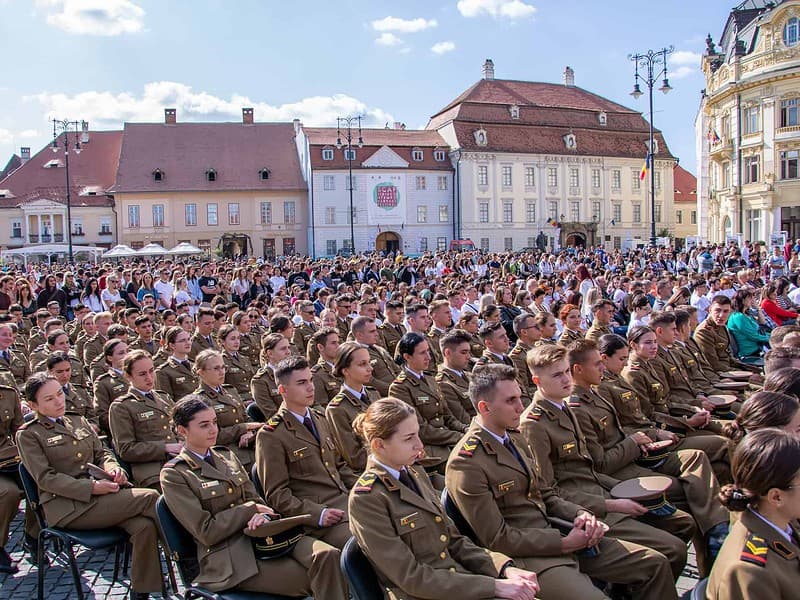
{"x": 14, "y": 369}
{"x": 391, "y": 330}
{"x": 419, "y": 321}
{"x": 622, "y": 456}
{"x": 696, "y": 367}
{"x": 306, "y": 328}
{"x": 344, "y": 305}
{"x": 714, "y": 340}
{"x": 297, "y": 461}
{"x": 495, "y": 339}
{"x": 94, "y": 346}
{"x": 547, "y": 329}
{"x": 144, "y": 336}
{"x": 442, "y": 320}
{"x": 528, "y": 333}
{"x": 559, "y": 447}
{"x": 202, "y": 339}
{"x": 602, "y": 315}
{"x": 384, "y": 368}
{"x": 497, "y": 484}
{"x": 453, "y": 379}
{"x": 326, "y": 384}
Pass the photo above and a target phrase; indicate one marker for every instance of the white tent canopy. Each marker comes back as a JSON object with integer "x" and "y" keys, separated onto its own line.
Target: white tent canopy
{"x": 120, "y": 251}
{"x": 185, "y": 248}
{"x": 50, "y": 249}
{"x": 152, "y": 249}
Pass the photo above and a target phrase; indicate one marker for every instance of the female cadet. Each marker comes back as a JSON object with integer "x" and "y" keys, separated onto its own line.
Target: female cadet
{"x": 263, "y": 387}
{"x": 110, "y": 385}
{"x": 352, "y": 364}
{"x": 234, "y": 430}
{"x": 249, "y": 343}
{"x": 139, "y": 421}
{"x": 77, "y": 398}
{"x": 438, "y": 428}
{"x": 396, "y": 517}
{"x": 570, "y": 316}
{"x": 10, "y": 488}
{"x": 211, "y": 494}
{"x": 175, "y": 378}
{"x": 55, "y": 448}
{"x": 760, "y": 557}
{"x": 762, "y": 410}
{"x": 238, "y": 369}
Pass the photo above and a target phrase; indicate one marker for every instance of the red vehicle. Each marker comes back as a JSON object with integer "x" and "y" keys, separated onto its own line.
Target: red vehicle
{"x": 462, "y": 245}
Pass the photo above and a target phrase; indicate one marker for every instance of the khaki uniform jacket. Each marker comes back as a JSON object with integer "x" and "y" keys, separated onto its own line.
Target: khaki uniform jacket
{"x": 78, "y": 376}
{"x": 506, "y": 504}
{"x": 384, "y": 368}
{"x": 214, "y": 504}
{"x": 702, "y": 361}
{"x": 670, "y": 371}
{"x": 93, "y": 348}
{"x": 454, "y": 389}
{"x": 434, "y": 337}
{"x": 175, "y": 379}
{"x": 568, "y": 336}
{"x": 56, "y": 456}
{"x": 80, "y": 402}
{"x": 150, "y": 347}
{"x": 264, "y": 390}
{"x": 414, "y": 547}
{"x": 340, "y": 413}
{"x": 343, "y": 325}
{"x": 476, "y": 347}
{"x": 18, "y": 366}
{"x": 107, "y": 388}
{"x": 302, "y": 335}
{"x": 35, "y": 339}
{"x": 239, "y": 372}
{"x": 595, "y": 332}
{"x": 755, "y": 563}
{"x": 390, "y": 335}
{"x": 199, "y": 343}
{"x": 691, "y": 367}
{"x": 326, "y": 384}
{"x": 250, "y": 347}
{"x": 517, "y": 355}
{"x": 140, "y": 428}
{"x": 652, "y": 392}
{"x": 10, "y": 416}
{"x": 231, "y": 419}
{"x": 300, "y": 474}
{"x": 715, "y": 345}
{"x": 490, "y": 358}
{"x": 627, "y": 404}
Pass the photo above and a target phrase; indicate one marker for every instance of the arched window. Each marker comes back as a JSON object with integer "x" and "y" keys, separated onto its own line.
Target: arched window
{"x": 211, "y": 175}
{"x": 791, "y": 32}
{"x": 158, "y": 175}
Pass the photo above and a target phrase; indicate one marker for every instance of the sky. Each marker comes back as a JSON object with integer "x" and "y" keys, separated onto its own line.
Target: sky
{"x": 112, "y": 61}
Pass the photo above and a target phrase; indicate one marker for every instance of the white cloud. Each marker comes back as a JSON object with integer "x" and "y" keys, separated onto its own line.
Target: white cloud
{"x": 9, "y": 137}
{"x": 509, "y": 9}
{"x": 105, "y": 110}
{"x": 94, "y": 17}
{"x": 403, "y": 25}
{"x": 683, "y": 63}
{"x": 443, "y": 47}
{"x": 388, "y": 39}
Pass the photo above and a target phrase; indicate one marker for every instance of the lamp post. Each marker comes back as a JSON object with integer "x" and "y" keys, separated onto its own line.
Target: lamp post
{"x": 66, "y": 126}
{"x": 653, "y": 65}
{"x": 348, "y": 123}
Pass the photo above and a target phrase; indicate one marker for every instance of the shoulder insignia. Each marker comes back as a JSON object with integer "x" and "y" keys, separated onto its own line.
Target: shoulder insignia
{"x": 273, "y": 422}
{"x": 469, "y": 445}
{"x": 574, "y": 401}
{"x": 337, "y": 400}
{"x": 755, "y": 550}
{"x": 174, "y": 461}
{"x": 535, "y": 414}
{"x": 365, "y": 483}
{"x": 783, "y": 550}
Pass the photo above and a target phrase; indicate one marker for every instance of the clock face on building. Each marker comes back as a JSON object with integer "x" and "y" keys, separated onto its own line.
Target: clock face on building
{"x": 570, "y": 142}
{"x": 480, "y": 137}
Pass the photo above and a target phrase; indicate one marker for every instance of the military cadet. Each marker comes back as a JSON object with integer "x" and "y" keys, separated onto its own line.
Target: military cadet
{"x": 528, "y": 333}
{"x": 760, "y": 557}
{"x": 570, "y": 316}
{"x": 36, "y": 335}
{"x": 419, "y": 321}
{"x": 235, "y": 431}
{"x": 144, "y": 336}
{"x": 306, "y": 328}
{"x": 87, "y": 332}
{"x": 713, "y": 337}
{"x": 384, "y": 367}
{"x": 55, "y": 448}
{"x": 399, "y": 523}
{"x": 249, "y": 345}
{"x": 353, "y": 366}
{"x": 58, "y": 340}
{"x": 297, "y": 460}
{"x": 100, "y": 365}
{"x": 696, "y": 367}
{"x": 10, "y": 488}
{"x": 93, "y": 347}
{"x": 203, "y": 338}
{"x": 175, "y": 378}
{"x": 285, "y": 326}
{"x": 469, "y": 322}
{"x": 210, "y": 493}
{"x": 326, "y": 384}
{"x": 452, "y": 379}
{"x": 78, "y": 400}
{"x": 344, "y": 306}
{"x": 12, "y": 363}
{"x": 767, "y": 409}
{"x": 139, "y": 421}
{"x": 495, "y": 340}
{"x": 441, "y": 321}
{"x": 391, "y": 330}
{"x": 560, "y": 449}
{"x": 110, "y": 385}
{"x": 263, "y": 386}
{"x": 602, "y": 315}
{"x": 238, "y": 370}
{"x": 547, "y": 328}
{"x": 497, "y": 484}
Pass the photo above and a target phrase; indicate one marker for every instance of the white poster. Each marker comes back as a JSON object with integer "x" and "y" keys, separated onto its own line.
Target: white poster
{"x": 778, "y": 239}
{"x": 386, "y": 199}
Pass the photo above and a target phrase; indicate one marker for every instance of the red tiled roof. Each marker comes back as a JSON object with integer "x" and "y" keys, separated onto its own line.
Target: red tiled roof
{"x": 95, "y": 167}
{"x": 185, "y": 151}
{"x": 13, "y": 163}
{"x": 379, "y": 137}
{"x": 685, "y": 185}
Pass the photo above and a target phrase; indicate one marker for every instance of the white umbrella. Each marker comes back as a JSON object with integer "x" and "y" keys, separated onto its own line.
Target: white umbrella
{"x": 185, "y": 248}
{"x": 119, "y": 251}
{"x": 152, "y": 249}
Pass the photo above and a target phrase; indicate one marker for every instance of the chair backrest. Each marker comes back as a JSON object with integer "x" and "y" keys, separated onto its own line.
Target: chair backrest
{"x": 31, "y": 490}
{"x": 181, "y": 544}
{"x": 255, "y": 413}
{"x": 699, "y": 590}
{"x": 360, "y": 574}
{"x": 256, "y": 480}
{"x": 456, "y": 517}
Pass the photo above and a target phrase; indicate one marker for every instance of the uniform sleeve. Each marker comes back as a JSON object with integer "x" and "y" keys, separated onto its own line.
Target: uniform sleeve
{"x": 259, "y": 388}
{"x": 743, "y": 581}
{"x": 705, "y": 340}
{"x": 123, "y": 434}
{"x": 606, "y": 460}
{"x": 435, "y": 436}
{"x": 352, "y": 450}
{"x": 450, "y": 396}
{"x": 102, "y": 403}
{"x": 164, "y": 384}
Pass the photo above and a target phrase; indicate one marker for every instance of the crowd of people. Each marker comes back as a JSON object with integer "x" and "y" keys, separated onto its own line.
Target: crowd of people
{"x": 589, "y": 413}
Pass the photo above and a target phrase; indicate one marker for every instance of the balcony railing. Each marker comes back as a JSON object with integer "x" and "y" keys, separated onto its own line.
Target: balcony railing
{"x": 104, "y": 232}
{"x": 58, "y": 237}
{"x": 46, "y": 237}
{"x": 33, "y": 238}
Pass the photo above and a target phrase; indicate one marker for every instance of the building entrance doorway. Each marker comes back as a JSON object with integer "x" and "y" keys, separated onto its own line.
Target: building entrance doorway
{"x": 388, "y": 242}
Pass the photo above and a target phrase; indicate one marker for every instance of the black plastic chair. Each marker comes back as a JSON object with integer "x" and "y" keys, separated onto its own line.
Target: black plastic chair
{"x": 360, "y": 575}
{"x": 183, "y": 551}
{"x": 256, "y": 480}
{"x": 255, "y": 413}
{"x": 457, "y": 518}
{"x": 96, "y": 539}
{"x": 699, "y": 590}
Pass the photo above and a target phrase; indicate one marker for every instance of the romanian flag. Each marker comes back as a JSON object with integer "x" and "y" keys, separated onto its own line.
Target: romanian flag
{"x": 645, "y": 166}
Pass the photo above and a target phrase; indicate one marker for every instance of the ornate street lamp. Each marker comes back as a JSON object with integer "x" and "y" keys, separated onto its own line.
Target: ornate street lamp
{"x": 349, "y": 123}
{"x": 66, "y": 127}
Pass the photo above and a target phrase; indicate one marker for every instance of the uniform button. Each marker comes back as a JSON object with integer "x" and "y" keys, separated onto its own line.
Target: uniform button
{"x": 74, "y": 442}
{"x": 326, "y": 463}
{"x": 452, "y": 569}
{"x": 164, "y": 427}
{"x": 230, "y": 490}
{"x": 412, "y": 525}
{"x": 213, "y": 493}
{"x": 443, "y": 555}
{"x": 236, "y": 420}
{"x": 79, "y": 455}
{"x": 437, "y": 518}
{"x": 232, "y": 505}
{"x": 443, "y": 537}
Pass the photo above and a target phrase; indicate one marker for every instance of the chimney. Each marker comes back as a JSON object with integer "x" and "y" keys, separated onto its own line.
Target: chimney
{"x": 488, "y": 69}
{"x": 170, "y": 116}
{"x": 25, "y": 154}
{"x": 247, "y": 116}
{"x": 84, "y": 132}
{"x": 568, "y": 76}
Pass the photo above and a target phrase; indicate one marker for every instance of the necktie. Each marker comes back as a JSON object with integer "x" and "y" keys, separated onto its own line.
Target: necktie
{"x": 66, "y": 390}
{"x": 6, "y": 355}
{"x": 210, "y": 343}
{"x": 508, "y": 361}
{"x": 150, "y": 396}
{"x": 408, "y": 481}
{"x": 310, "y": 426}
{"x": 210, "y": 460}
{"x": 364, "y": 398}
{"x": 186, "y": 364}
{"x": 60, "y": 421}
{"x": 515, "y": 453}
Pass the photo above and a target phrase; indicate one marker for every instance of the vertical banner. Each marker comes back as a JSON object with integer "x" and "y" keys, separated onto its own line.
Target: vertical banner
{"x": 386, "y": 203}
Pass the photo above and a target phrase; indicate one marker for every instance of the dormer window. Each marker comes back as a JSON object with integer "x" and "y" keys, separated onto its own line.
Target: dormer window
{"x": 263, "y": 174}
{"x": 53, "y": 164}
{"x": 349, "y": 154}
{"x": 514, "y": 111}
{"x": 791, "y": 32}
{"x": 327, "y": 154}
{"x": 158, "y": 175}
{"x": 416, "y": 154}
{"x": 438, "y": 155}
{"x": 211, "y": 175}
{"x": 602, "y": 118}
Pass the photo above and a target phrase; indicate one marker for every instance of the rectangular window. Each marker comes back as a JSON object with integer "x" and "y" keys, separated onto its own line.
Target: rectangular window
{"x": 330, "y": 215}
{"x": 694, "y": 217}
{"x": 483, "y": 175}
{"x": 417, "y": 155}
{"x": 617, "y": 242}
{"x": 330, "y": 247}
{"x": 726, "y": 175}
{"x": 616, "y": 179}
{"x": 616, "y": 212}
{"x": 530, "y": 177}
{"x": 530, "y": 211}
{"x": 508, "y": 211}
{"x": 328, "y": 183}
{"x": 266, "y": 213}
{"x": 637, "y": 213}
{"x": 552, "y": 209}
{"x": 105, "y": 225}
{"x": 158, "y": 215}
{"x": 658, "y": 213}
{"x": 288, "y": 246}
{"x": 750, "y": 120}
{"x": 574, "y": 178}
{"x": 441, "y": 244}
{"x": 575, "y": 211}
{"x": 422, "y": 214}
{"x": 726, "y": 128}
{"x": 595, "y": 178}
{"x": 679, "y": 217}
{"x": 483, "y": 212}
{"x": 753, "y": 224}
{"x": 191, "y": 215}
{"x": 16, "y": 229}
{"x": 442, "y": 183}
{"x": 658, "y": 179}
{"x": 350, "y": 183}
{"x": 485, "y": 244}
{"x": 289, "y": 216}
{"x": 346, "y": 245}
{"x": 420, "y": 179}
{"x": 596, "y": 211}
{"x": 789, "y": 116}
{"x": 327, "y": 154}
{"x": 77, "y": 225}
{"x": 508, "y": 244}
{"x": 133, "y": 215}
{"x": 444, "y": 213}
{"x": 211, "y": 214}
{"x": 531, "y": 242}
{"x": 349, "y": 154}
{"x": 751, "y": 170}
{"x": 233, "y": 213}
{"x": 636, "y": 181}
{"x": 552, "y": 177}
{"x": 423, "y": 244}
{"x": 789, "y": 164}
{"x": 507, "y": 176}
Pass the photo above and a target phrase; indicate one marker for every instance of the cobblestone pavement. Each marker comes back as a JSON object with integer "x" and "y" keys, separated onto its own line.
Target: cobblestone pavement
{"x": 97, "y": 568}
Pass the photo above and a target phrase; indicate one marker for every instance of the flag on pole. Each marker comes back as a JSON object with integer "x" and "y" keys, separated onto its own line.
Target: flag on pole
{"x": 645, "y": 166}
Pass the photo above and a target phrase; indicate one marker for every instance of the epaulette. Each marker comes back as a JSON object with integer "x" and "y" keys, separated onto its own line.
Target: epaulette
{"x": 316, "y": 367}
{"x": 337, "y": 400}
{"x": 401, "y": 376}
{"x": 469, "y": 445}
{"x": 574, "y": 401}
{"x": 365, "y": 483}
{"x": 273, "y": 422}
{"x": 174, "y": 461}
{"x": 535, "y": 414}
{"x": 755, "y": 550}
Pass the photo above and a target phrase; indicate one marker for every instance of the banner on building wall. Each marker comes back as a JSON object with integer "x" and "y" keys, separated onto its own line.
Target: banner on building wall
{"x": 386, "y": 203}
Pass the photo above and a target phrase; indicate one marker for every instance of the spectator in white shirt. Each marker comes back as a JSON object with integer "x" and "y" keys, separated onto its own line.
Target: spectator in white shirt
{"x": 165, "y": 291}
